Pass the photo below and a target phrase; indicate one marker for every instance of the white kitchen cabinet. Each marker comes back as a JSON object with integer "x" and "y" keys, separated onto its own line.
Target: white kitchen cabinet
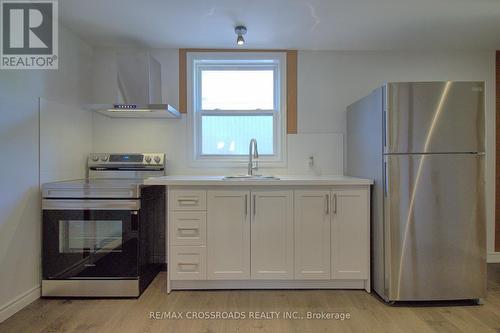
{"x": 228, "y": 234}
{"x": 350, "y": 234}
{"x": 272, "y": 234}
{"x": 237, "y": 236}
{"x": 312, "y": 213}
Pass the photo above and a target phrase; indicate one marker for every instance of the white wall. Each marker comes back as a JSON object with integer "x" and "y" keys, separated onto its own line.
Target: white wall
{"x": 65, "y": 141}
{"x": 328, "y": 81}
{"x": 20, "y": 257}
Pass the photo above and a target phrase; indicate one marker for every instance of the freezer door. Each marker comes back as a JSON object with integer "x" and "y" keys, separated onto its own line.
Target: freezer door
{"x": 435, "y": 228}
{"x": 434, "y": 117}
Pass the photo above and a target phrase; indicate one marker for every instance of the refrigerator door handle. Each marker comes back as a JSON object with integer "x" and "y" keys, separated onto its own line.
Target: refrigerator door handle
{"x": 384, "y": 130}
{"x": 385, "y": 180}
{"x": 385, "y": 119}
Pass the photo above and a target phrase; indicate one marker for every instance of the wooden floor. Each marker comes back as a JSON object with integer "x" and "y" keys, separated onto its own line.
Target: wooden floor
{"x": 367, "y": 312}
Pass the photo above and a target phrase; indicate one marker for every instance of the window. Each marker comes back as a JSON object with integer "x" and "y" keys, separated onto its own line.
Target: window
{"x": 232, "y": 98}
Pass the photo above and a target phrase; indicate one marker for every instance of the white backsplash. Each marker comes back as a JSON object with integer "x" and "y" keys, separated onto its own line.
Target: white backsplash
{"x": 169, "y": 136}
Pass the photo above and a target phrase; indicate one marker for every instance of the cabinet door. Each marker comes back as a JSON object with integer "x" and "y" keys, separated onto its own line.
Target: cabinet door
{"x": 228, "y": 235}
{"x": 312, "y": 234}
{"x": 350, "y": 234}
{"x": 272, "y": 234}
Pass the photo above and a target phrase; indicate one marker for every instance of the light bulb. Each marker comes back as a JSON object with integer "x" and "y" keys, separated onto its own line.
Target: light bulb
{"x": 240, "y": 40}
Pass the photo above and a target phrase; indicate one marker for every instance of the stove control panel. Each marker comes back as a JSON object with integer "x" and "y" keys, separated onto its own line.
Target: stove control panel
{"x": 131, "y": 159}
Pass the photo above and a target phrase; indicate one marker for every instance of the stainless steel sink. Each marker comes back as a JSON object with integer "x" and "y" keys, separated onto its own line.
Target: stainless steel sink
{"x": 250, "y": 177}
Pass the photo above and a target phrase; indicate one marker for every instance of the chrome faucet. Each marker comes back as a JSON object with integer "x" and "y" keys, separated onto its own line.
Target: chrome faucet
{"x": 252, "y": 153}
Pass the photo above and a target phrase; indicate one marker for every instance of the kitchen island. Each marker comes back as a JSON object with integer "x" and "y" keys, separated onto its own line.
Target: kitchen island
{"x": 290, "y": 232}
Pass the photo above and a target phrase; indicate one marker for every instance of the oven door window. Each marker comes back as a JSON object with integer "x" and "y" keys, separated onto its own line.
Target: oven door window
{"x": 79, "y": 236}
{"x": 90, "y": 244}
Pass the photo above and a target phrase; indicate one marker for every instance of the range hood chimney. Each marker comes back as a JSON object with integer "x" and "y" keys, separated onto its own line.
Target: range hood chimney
{"x": 138, "y": 84}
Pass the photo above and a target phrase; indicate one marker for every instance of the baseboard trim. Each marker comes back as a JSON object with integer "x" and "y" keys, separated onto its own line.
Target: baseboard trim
{"x": 267, "y": 284}
{"x": 493, "y": 258}
{"x": 23, "y": 300}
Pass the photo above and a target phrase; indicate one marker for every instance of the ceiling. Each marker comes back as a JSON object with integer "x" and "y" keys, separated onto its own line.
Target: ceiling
{"x": 297, "y": 24}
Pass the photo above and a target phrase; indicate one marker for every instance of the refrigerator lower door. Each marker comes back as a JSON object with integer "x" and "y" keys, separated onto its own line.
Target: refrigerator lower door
{"x": 434, "y": 227}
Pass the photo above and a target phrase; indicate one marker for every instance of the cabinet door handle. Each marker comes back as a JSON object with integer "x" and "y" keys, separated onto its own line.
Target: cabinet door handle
{"x": 246, "y": 205}
{"x": 335, "y": 203}
{"x": 327, "y": 204}
{"x": 254, "y": 205}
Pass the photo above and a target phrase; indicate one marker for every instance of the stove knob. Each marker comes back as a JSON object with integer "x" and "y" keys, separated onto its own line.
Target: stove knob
{"x": 148, "y": 159}
{"x": 104, "y": 158}
{"x": 157, "y": 159}
{"x": 95, "y": 158}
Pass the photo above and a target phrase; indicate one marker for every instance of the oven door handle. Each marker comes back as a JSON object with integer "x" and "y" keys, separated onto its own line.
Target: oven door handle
{"x": 79, "y": 204}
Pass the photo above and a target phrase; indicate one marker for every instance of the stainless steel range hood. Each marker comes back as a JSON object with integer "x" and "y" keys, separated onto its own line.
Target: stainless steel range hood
{"x": 138, "y": 85}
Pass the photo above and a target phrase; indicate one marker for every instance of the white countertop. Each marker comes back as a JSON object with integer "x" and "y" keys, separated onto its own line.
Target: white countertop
{"x": 283, "y": 181}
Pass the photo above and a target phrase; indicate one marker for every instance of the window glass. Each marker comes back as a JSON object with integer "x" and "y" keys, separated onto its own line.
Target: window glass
{"x": 237, "y": 89}
{"x": 230, "y": 135}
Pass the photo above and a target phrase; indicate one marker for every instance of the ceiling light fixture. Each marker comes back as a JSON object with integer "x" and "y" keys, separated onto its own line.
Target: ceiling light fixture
{"x": 240, "y": 31}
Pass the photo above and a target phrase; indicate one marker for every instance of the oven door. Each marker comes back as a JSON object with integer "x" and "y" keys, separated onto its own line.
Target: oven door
{"x": 90, "y": 239}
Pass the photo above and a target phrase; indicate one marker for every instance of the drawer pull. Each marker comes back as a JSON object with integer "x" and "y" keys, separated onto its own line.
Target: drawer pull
{"x": 188, "y": 231}
{"x": 188, "y": 201}
{"x": 187, "y": 266}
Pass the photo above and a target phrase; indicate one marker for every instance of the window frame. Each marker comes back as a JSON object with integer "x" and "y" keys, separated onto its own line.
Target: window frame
{"x": 198, "y": 61}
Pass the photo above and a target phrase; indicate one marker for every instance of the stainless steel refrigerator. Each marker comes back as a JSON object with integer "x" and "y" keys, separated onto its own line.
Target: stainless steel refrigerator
{"x": 423, "y": 144}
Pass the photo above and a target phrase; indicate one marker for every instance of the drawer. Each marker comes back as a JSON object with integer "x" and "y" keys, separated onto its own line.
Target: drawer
{"x": 187, "y": 200}
{"x": 188, "y": 263}
{"x": 188, "y": 228}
